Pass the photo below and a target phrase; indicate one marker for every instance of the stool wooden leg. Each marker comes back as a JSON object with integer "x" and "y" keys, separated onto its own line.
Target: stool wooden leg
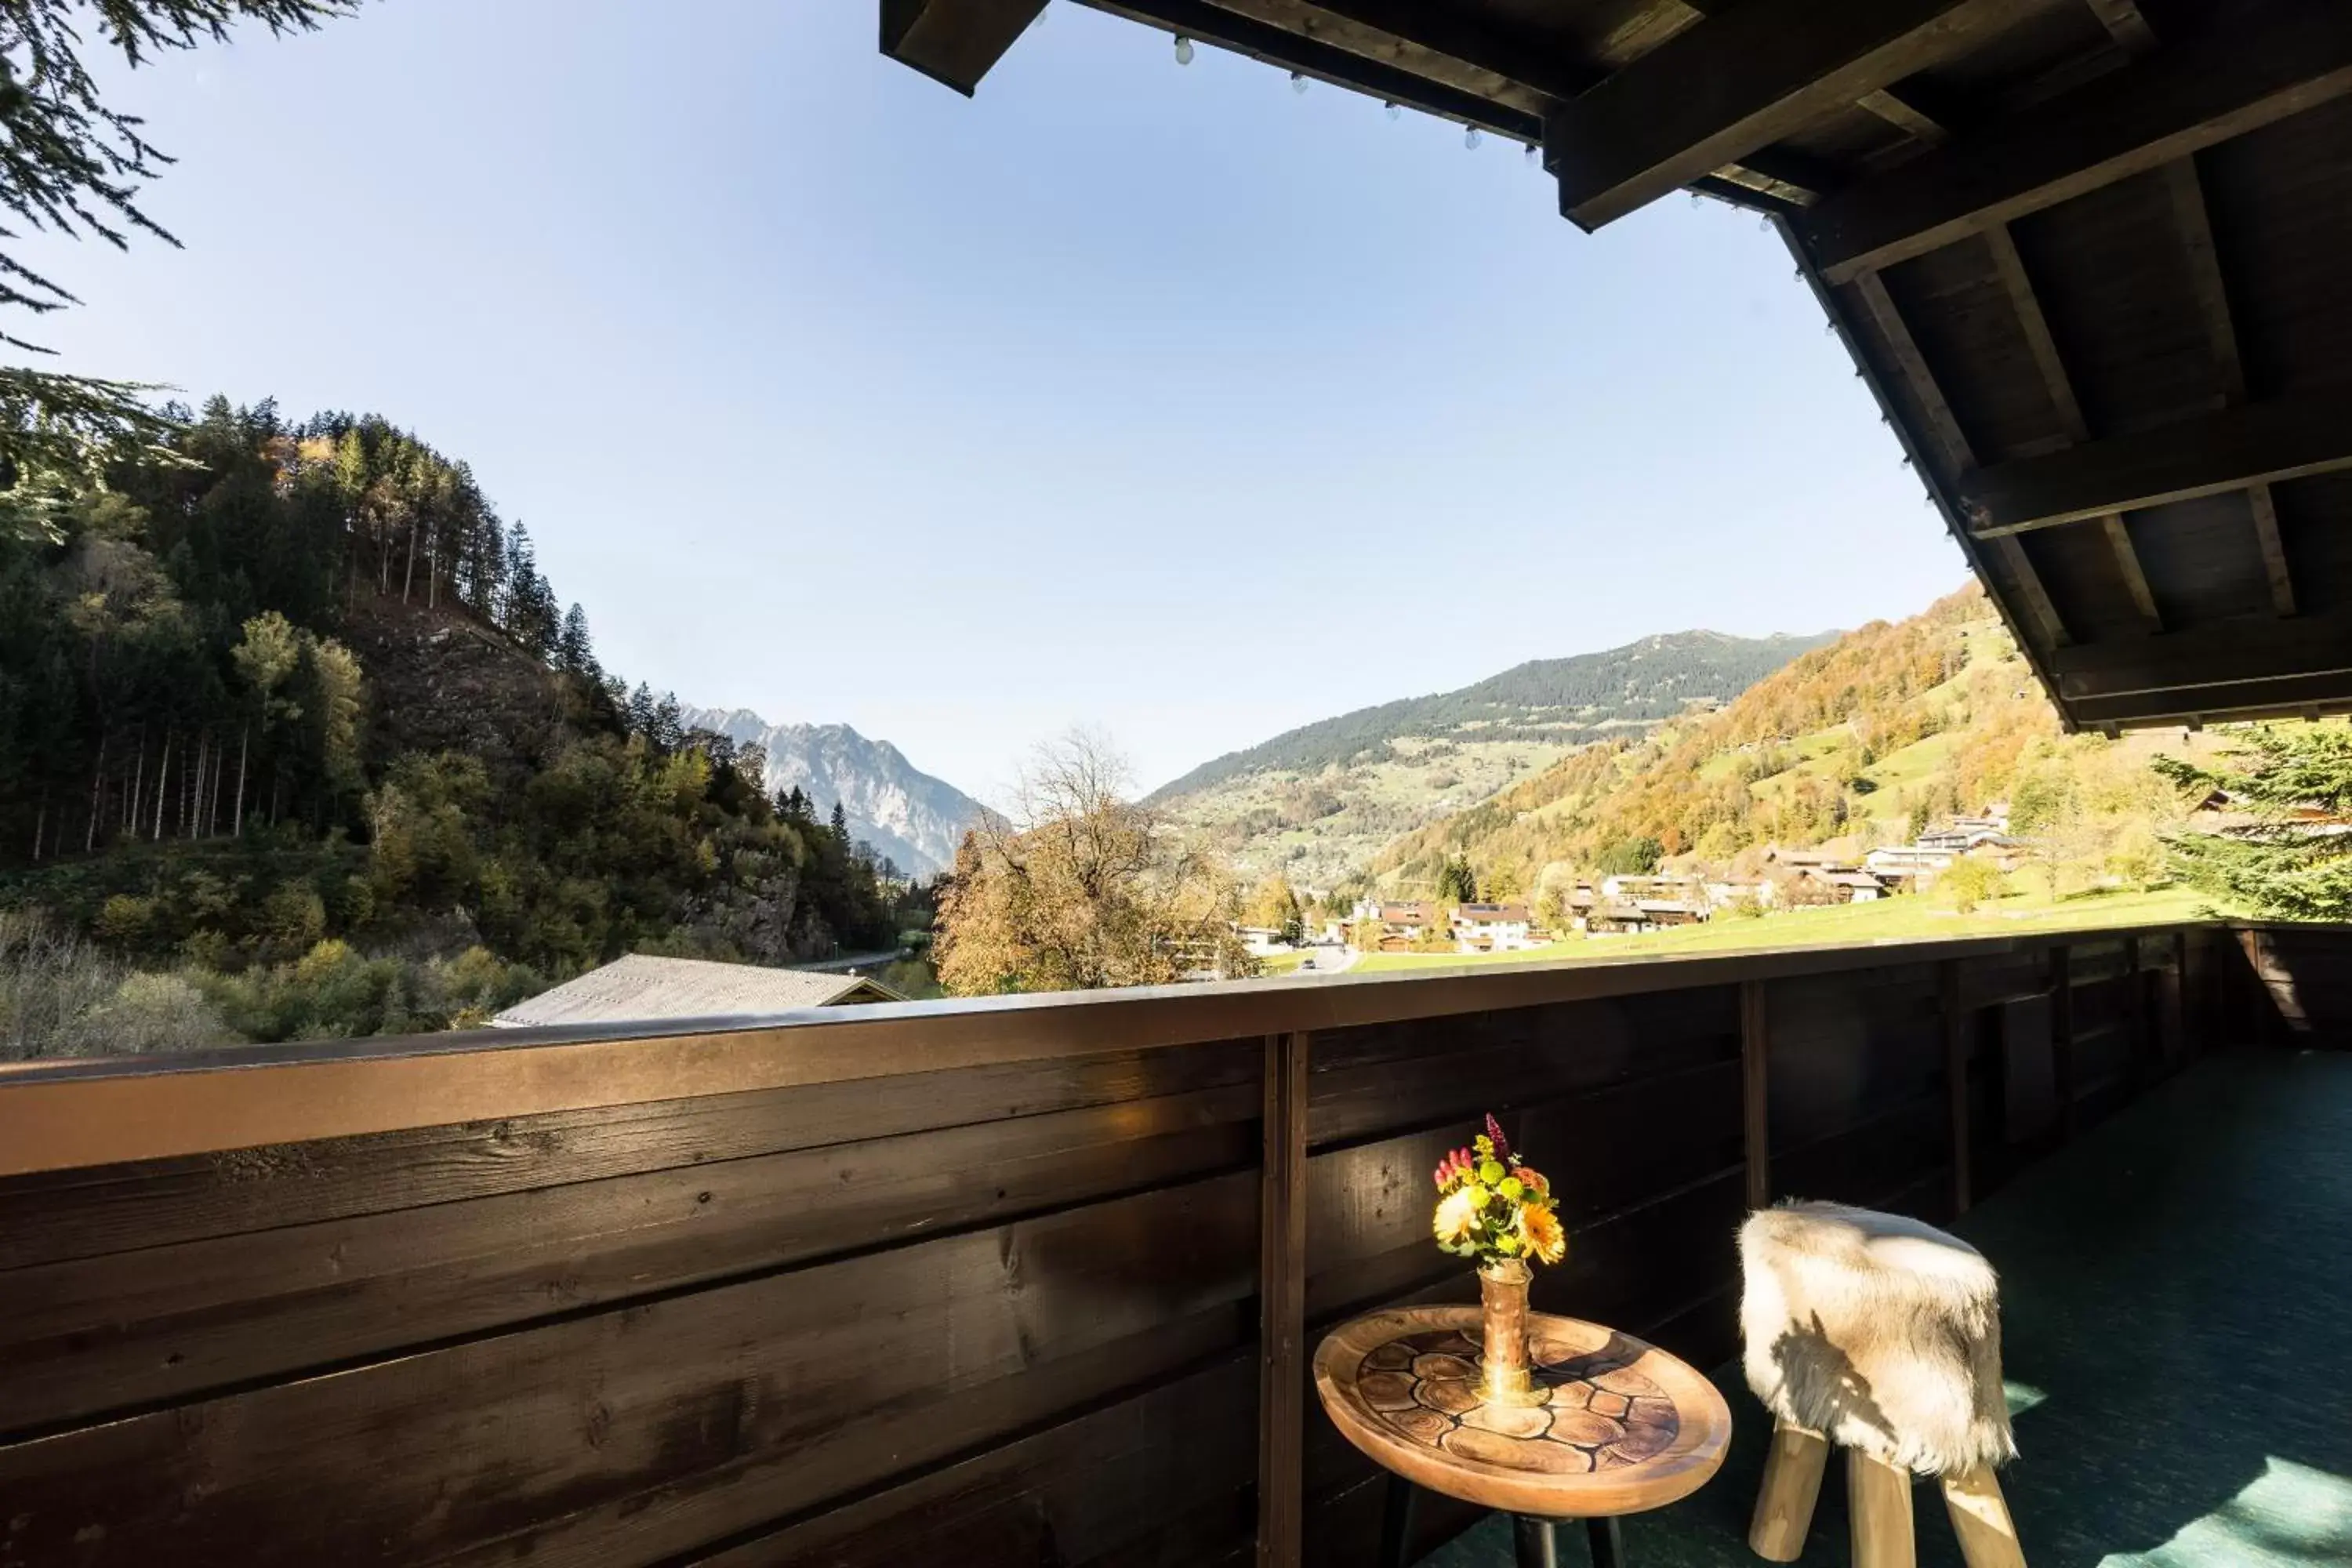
{"x": 1980, "y": 1518}
{"x": 1878, "y": 1496}
{"x": 1607, "y": 1542}
{"x": 1793, "y": 1484}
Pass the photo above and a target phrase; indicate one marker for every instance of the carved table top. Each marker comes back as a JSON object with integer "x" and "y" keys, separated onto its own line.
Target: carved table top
{"x": 1627, "y": 1426}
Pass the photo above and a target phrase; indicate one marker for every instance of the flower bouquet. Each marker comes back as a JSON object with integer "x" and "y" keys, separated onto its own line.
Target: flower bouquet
{"x": 1494, "y": 1206}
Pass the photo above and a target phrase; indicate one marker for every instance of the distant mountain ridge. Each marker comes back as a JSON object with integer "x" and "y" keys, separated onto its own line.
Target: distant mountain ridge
{"x": 1564, "y": 702}
{"x": 914, "y": 818}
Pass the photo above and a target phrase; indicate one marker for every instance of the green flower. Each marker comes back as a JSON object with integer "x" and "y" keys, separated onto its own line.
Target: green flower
{"x": 1491, "y": 1171}
{"x": 1512, "y": 1189}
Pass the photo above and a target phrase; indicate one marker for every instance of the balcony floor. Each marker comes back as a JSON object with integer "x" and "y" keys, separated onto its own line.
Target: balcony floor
{"x": 2177, "y": 1295}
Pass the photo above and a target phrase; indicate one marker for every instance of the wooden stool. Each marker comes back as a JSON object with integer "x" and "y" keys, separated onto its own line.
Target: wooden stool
{"x": 1882, "y": 1335}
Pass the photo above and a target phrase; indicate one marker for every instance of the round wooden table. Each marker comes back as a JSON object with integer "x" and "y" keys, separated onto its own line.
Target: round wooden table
{"x": 1626, "y": 1428}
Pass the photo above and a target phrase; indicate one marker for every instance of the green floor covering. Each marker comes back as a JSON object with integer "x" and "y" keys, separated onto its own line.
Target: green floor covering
{"x": 2177, "y": 1308}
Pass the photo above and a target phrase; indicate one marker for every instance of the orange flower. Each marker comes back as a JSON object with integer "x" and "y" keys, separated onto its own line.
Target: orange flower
{"x": 1540, "y": 1234}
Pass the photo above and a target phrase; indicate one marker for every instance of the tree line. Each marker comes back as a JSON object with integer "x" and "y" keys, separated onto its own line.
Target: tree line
{"x": 274, "y": 685}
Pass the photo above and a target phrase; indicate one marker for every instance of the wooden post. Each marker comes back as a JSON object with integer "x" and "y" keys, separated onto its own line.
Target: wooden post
{"x": 1282, "y": 1303}
{"x": 1756, "y": 1078}
{"x": 1956, "y": 1077}
{"x": 2062, "y": 1038}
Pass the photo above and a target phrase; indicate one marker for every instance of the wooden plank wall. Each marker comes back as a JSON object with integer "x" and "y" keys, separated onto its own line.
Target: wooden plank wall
{"x": 1004, "y": 1314}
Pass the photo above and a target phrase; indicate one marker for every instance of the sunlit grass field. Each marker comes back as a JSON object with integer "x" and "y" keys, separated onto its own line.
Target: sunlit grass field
{"x": 1885, "y": 919}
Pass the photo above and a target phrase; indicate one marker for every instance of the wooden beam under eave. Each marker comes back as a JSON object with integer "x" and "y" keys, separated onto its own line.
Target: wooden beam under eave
{"x": 2123, "y": 24}
{"x": 1912, "y": 371}
{"x": 2196, "y": 225}
{"x": 2257, "y": 65}
{"x": 2010, "y": 267}
{"x": 1739, "y": 82}
{"x": 2266, "y": 534}
{"x": 2262, "y": 443}
{"x": 954, "y": 42}
{"x": 1906, "y": 116}
{"x": 2209, "y": 660}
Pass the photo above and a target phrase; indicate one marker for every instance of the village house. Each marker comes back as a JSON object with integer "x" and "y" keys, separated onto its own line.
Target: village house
{"x": 1494, "y": 928}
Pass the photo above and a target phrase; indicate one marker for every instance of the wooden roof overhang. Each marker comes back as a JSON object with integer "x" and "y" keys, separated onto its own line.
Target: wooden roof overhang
{"x": 2094, "y": 256}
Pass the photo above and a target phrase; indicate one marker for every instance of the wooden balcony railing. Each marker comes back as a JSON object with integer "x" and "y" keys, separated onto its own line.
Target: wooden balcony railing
{"x": 1025, "y": 1280}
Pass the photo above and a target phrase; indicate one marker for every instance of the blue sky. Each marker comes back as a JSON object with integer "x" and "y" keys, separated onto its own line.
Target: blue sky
{"x": 1164, "y": 400}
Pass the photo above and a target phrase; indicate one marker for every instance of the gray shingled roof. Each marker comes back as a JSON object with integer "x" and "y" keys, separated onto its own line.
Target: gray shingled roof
{"x": 642, "y": 986}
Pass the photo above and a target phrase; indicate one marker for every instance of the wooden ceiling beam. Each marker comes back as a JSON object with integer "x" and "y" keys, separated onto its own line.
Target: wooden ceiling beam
{"x": 1900, "y": 111}
{"x": 1911, "y": 372}
{"x": 954, "y": 42}
{"x": 2009, "y": 267}
{"x": 1739, "y": 82}
{"x": 2264, "y": 63}
{"x": 2288, "y": 696}
{"x": 2228, "y": 365}
{"x": 2125, "y": 24}
{"x": 2261, "y": 443}
{"x": 2220, "y": 654}
{"x": 1289, "y": 49}
{"x": 1377, "y": 26}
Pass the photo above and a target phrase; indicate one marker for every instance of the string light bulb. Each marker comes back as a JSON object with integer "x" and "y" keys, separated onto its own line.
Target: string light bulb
{"x": 1531, "y": 152}
{"x": 1470, "y": 137}
{"x": 1297, "y": 82}
{"x": 1183, "y": 50}
{"x": 1392, "y": 108}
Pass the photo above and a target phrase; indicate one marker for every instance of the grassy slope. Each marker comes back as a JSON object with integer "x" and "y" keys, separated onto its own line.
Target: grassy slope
{"x": 1887, "y": 919}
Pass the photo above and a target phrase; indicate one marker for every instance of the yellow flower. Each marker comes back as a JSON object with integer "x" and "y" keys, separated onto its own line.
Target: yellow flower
{"x": 1455, "y": 1217}
{"x": 1540, "y": 1234}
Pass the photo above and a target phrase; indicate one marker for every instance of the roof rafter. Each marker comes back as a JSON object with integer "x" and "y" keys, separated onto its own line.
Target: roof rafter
{"x": 2259, "y": 443}
{"x": 2274, "y": 60}
{"x": 2221, "y": 331}
{"x": 2009, "y": 267}
{"x": 1911, "y": 370}
{"x": 1738, "y": 82}
{"x": 954, "y": 42}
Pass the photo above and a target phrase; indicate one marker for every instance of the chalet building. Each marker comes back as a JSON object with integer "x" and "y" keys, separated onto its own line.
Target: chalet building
{"x": 1494, "y": 928}
{"x": 1846, "y": 885}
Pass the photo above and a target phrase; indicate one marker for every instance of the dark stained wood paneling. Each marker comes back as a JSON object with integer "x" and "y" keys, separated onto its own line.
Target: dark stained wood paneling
{"x": 1846, "y": 1049}
{"x": 1369, "y": 1081}
{"x": 1964, "y": 322}
{"x": 1004, "y": 1315}
{"x": 98, "y": 1333}
{"x": 1108, "y": 1486}
{"x": 81, "y": 1213}
{"x": 652, "y": 1430}
{"x": 1367, "y": 1216}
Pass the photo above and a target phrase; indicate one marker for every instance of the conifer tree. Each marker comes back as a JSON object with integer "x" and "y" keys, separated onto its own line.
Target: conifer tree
{"x": 573, "y": 653}
{"x": 2292, "y": 862}
{"x": 71, "y": 165}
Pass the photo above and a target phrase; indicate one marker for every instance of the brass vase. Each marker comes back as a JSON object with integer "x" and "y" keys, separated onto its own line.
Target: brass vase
{"x": 1505, "y": 1378}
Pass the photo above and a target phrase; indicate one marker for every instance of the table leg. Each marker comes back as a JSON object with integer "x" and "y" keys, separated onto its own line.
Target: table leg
{"x": 1608, "y": 1543}
{"x": 1396, "y": 1523}
{"x": 1534, "y": 1545}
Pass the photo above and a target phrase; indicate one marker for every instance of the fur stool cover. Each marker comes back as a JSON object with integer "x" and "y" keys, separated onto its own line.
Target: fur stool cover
{"x": 1880, "y": 1331}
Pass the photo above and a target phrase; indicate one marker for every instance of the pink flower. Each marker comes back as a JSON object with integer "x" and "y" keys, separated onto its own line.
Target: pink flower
{"x": 1494, "y": 1135}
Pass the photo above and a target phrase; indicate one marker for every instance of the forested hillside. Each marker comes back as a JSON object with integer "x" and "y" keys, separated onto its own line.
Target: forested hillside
{"x": 1315, "y": 805}
{"x": 1566, "y": 701}
{"x": 292, "y": 720}
{"x": 1862, "y": 743}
